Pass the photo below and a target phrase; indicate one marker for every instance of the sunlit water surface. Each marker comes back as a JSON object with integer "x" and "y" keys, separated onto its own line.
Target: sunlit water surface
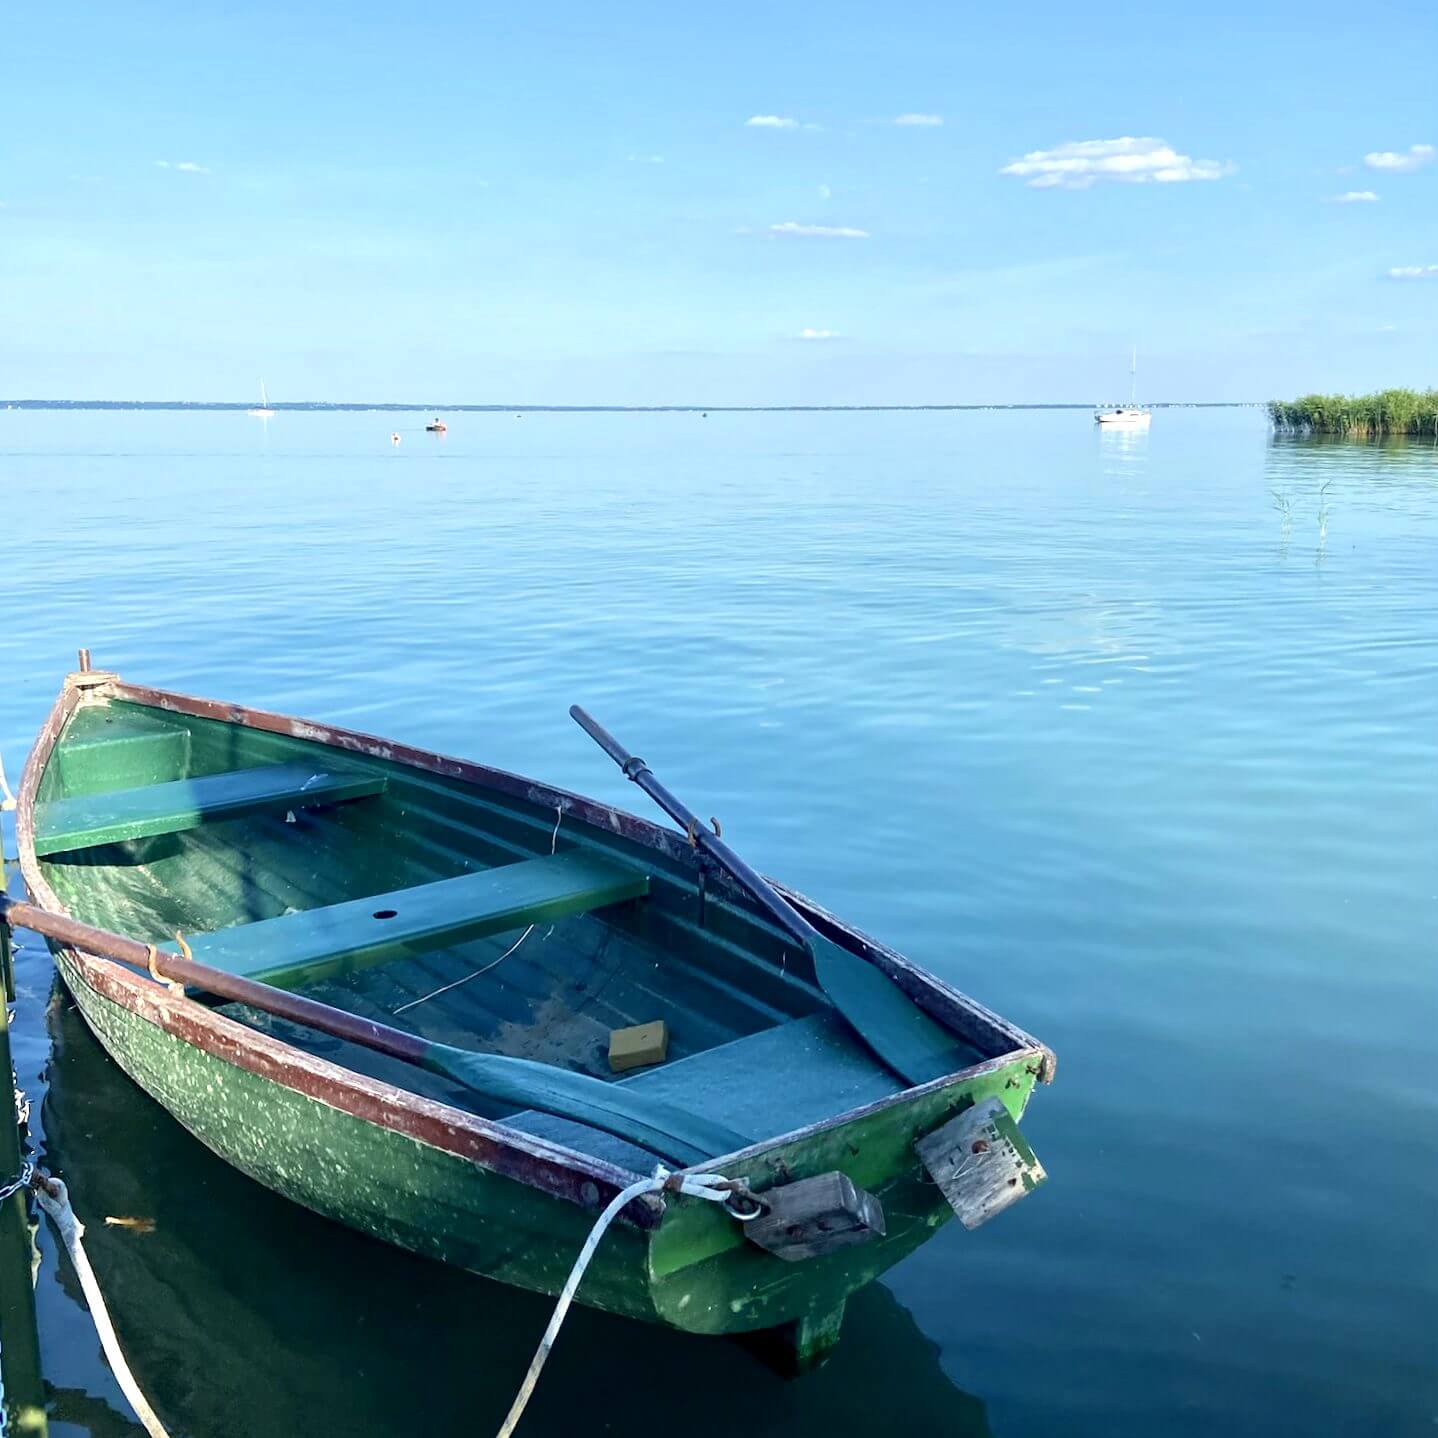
{"x": 1082, "y": 721}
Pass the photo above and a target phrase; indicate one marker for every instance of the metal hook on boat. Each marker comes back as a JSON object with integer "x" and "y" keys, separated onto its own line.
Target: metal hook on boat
{"x": 740, "y": 1194}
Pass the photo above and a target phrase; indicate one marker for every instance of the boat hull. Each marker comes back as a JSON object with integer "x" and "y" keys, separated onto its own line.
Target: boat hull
{"x": 692, "y": 1271}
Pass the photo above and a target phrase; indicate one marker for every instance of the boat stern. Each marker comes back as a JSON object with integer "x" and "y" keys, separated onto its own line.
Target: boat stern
{"x": 708, "y": 1275}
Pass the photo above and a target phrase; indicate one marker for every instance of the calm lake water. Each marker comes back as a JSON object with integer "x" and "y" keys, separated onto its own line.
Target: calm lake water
{"x": 1079, "y": 720}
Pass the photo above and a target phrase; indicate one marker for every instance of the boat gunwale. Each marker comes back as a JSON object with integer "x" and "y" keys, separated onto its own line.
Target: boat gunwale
{"x": 551, "y": 1168}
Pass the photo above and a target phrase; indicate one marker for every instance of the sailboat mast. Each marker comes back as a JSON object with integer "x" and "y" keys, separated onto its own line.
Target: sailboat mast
{"x": 1133, "y": 380}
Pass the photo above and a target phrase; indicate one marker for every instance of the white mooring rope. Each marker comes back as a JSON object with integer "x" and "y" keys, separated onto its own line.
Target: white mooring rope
{"x": 8, "y": 801}
{"x": 713, "y": 1186}
{"x": 55, "y": 1200}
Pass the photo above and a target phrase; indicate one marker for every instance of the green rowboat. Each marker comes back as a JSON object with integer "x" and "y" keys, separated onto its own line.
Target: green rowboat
{"x": 407, "y": 972}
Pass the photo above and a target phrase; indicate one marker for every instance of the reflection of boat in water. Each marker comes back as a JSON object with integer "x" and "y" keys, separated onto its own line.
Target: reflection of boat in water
{"x": 264, "y": 411}
{"x": 1129, "y": 416}
{"x": 438, "y": 427}
{"x": 283, "y": 1290}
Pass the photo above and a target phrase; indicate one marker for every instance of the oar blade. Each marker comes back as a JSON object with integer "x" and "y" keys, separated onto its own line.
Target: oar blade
{"x": 900, "y": 1032}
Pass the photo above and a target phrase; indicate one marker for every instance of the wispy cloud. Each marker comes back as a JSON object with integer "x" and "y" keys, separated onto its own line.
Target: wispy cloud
{"x": 825, "y": 193}
{"x": 913, "y": 118}
{"x": 771, "y": 122}
{"x": 646, "y": 159}
{"x": 1128, "y": 160}
{"x": 1413, "y": 272}
{"x": 808, "y": 334}
{"x": 1354, "y": 197}
{"x": 188, "y": 167}
{"x": 1413, "y": 158}
{"x": 819, "y": 232}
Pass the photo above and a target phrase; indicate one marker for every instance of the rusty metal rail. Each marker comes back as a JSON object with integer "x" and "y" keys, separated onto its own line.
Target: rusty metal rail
{"x": 312, "y": 1014}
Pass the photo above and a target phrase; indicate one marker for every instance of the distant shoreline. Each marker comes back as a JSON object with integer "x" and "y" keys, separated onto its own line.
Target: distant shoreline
{"x": 319, "y": 406}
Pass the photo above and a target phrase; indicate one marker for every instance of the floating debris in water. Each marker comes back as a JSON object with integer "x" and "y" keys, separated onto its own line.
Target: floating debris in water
{"x": 135, "y": 1225}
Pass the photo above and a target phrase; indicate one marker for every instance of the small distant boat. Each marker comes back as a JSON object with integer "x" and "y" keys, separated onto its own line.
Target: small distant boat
{"x": 1128, "y": 416}
{"x": 438, "y": 427}
{"x": 264, "y": 411}
{"x": 394, "y": 437}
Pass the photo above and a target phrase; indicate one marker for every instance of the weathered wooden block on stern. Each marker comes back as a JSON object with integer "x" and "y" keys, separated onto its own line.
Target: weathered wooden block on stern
{"x": 815, "y": 1216}
{"x": 981, "y": 1162}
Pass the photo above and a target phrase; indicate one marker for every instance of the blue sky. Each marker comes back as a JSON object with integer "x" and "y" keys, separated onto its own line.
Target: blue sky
{"x": 570, "y": 204}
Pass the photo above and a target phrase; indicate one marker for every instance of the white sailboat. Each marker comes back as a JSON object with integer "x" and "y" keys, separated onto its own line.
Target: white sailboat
{"x": 1128, "y": 416}
{"x": 264, "y": 411}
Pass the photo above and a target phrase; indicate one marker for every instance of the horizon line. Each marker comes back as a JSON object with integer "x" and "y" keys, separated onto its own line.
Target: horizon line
{"x": 399, "y": 407}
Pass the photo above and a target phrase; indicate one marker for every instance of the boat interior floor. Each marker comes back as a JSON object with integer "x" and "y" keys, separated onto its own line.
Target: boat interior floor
{"x": 555, "y": 999}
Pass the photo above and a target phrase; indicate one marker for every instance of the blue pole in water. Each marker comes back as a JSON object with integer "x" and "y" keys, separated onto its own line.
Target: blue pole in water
{"x": 22, "y": 1387}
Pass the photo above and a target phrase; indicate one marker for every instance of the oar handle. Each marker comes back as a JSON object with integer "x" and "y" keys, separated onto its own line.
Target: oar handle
{"x": 763, "y": 892}
{"x": 606, "y": 740}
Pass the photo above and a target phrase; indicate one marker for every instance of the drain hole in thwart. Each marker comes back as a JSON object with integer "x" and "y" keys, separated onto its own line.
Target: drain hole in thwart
{"x": 385, "y": 913}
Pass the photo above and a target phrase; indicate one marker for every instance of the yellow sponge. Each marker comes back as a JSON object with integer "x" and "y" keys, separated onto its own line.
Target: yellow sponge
{"x": 634, "y": 1047}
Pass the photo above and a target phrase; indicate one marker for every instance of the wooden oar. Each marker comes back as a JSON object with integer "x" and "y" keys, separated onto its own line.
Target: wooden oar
{"x": 905, "y": 1037}
{"x": 660, "y": 1127}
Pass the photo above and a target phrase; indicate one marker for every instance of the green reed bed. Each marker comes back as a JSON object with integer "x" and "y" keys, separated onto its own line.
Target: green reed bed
{"x": 1365, "y": 416}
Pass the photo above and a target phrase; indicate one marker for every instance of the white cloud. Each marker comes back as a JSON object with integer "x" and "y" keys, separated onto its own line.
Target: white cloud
{"x": 646, "y": 159}
{"x": 1354, "y": 197}
{"x": 1413, "y": 272}
{"x": 825, "y": 193}
{"x": 822, "y": 232}
{"x": 189, "y": 167}
{"x": 771, "y": 122}
{"x": 808, "y": 334}
{"x": 913, "y": 119}
{"x": 1080, "y": 163}
{"x": 1413, "y": 158}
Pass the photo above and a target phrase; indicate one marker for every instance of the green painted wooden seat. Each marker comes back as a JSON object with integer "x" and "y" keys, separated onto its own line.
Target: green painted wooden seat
{"x": 321, "y": 943}
{"x": 83, "y": 822}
